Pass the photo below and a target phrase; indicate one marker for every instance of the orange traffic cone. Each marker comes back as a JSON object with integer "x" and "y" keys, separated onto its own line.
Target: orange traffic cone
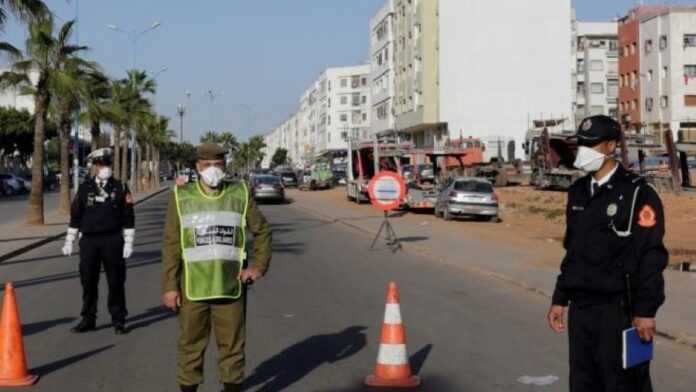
{"x": 393, "y": 369}
{"x": 13, "y": 363}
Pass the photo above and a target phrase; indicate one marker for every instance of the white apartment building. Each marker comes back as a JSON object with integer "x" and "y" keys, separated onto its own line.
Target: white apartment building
{"x": 668, "y": 72}
{"x": 335, "y": 108}
{"x": 382, "y": 75}
{"x": 596, "y": 74}
{"x": 480, "y": 68}
{"x": 11, "y": 97}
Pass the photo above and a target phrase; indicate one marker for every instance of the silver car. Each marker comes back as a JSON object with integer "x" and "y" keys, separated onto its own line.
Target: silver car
{"x": 468, "y": 196}
{"x": 268, "y": 188}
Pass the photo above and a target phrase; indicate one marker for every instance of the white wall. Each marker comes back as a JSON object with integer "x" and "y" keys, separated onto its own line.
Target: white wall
{"x": 502, "y": 62}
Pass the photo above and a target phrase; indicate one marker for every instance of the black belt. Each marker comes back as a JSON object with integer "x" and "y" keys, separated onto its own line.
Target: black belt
{"x": 102, "y": 233}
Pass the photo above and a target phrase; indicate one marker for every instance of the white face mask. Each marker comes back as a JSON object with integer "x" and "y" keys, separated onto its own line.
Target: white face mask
{"x": 589, "y": 160}
{"x": 212, "y": 176}
{"x": 104, "y": 173}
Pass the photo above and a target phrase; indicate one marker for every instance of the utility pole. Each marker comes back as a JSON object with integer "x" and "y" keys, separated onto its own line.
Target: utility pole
{"x": 76, "y": 143}
{"x": 213, "y": 95}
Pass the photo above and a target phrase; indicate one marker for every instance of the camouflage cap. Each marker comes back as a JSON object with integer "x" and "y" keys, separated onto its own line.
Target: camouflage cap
{"x": 210, "y": 152}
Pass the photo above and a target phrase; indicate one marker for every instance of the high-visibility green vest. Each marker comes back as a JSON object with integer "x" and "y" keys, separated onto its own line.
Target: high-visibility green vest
{"x": 212, "y": 240}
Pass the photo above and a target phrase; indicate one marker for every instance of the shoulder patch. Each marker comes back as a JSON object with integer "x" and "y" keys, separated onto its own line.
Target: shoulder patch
{"x": 647, "y": 217}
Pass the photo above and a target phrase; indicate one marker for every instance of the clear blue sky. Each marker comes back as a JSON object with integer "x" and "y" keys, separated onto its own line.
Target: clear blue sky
{"x": 261, "y": 53}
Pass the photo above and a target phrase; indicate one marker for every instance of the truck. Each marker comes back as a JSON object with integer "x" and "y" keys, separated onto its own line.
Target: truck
{"x": 367, "y": 158}
{"x": 318, "y": 176}
{"x": 551, "y": 154}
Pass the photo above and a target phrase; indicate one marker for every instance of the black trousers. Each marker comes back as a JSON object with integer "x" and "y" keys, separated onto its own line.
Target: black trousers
{"x": 596, "y": 344}
{"x": 106, "y": 250}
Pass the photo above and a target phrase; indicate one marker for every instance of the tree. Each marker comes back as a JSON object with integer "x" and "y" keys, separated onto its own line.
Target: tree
{"x": 249, "y": 155}
{"x": 95, "y": 96}
{"x": 153, "y": 134}
{"x": 45, "y": 55}
{"x": 16, "y": 128}
{"x": 280, "y": 158}
{"x": 24, "y": 10}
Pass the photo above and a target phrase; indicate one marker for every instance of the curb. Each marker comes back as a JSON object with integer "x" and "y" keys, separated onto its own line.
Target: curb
{"x": 680, "y": 339}
{"x": 52, "y": 238}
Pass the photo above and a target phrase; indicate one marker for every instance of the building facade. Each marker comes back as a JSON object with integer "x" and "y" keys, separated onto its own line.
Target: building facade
{"x": 382, "y": 72}
{"x": 454, "y": 76}
{"x": 596, "y": 70}
{"x": 668, "y": 70}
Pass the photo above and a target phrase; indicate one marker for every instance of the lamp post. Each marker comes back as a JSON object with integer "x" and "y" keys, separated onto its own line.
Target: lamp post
{"x": 134, "y": 36}
{"x": 213, "y": 95}
{"x": 76, "y": 144}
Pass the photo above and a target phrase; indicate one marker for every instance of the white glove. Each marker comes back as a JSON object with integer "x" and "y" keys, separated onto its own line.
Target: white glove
{"x": 69, "y": 240}
{"x": 128, "y": 239}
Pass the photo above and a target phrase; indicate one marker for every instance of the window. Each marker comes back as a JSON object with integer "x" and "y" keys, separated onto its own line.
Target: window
{"x": 355, "y": 82}
{"x": 597, "y": 88}
{"x": 634, "y": 104}
{"x": 664, "y": 72}
{"x": 363, "y": 82}
{"x": 613, "y": 88}
{"x": 664, "y": 101}
{"x": 356, "y": 100}
{"x": 329, "y": 120}
{"x": 328, "y": 137}
{"x": 328, "y": 102}
{"x": 364, "y": 116}
{"x": 634, "y": 80}
{"x": 595, "y": 110}
{"x": 663, "y": 42}
{"x": 690, "y": 100}
{"x": 633, "y": 48}
{"x": 648, "y": 46}
{"x": 364, "y": 99}
{"x": 581, "y": 65}
{"x": 344, "y": 117}
{"x": 689, "y": 40}
{"x": 649, "y": 104}
{"x": 690, "y": 70}
{"x": 344, "y": 100}
{"x": 581, "y": 88}
{"x": 613, "y": 45}
{"x": 596, "y": 65}
{"x": 650, "y": 75}
{"x": 344, "y": 82}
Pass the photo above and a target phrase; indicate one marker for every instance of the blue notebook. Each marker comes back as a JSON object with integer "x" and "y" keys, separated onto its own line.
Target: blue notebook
{"x": 635, "y": 351}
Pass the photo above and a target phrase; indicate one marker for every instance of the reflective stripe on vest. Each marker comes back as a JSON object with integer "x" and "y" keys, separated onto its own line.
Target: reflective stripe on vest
{"x": 213, "y": 237}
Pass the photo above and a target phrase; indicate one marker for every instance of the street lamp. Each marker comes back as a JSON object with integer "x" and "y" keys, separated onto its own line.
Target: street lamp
{"x": 134, "y": 36}
{"x": 213, "y": 95}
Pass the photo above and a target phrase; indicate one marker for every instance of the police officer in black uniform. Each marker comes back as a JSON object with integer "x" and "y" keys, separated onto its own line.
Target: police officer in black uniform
{"x": 611, "y": 276}
{"x": 102, "y": 213}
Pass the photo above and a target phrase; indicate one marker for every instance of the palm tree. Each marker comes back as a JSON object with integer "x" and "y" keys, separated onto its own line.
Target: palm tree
{"x": 25, "y": 10}
{"x": 46, "y": 56}
{"x": 96, "y": 92}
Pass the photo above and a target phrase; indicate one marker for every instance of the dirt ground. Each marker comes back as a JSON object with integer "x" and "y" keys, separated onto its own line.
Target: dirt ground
{"x": 542, "y": 214}
{"x": 535, "y": 220}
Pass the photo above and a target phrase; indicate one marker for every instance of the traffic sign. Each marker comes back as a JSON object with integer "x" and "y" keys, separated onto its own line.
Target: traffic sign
{"x": 387, "y": 190}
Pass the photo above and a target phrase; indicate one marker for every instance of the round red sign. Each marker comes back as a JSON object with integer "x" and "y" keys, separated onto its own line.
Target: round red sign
{"x": 387, "y": 190}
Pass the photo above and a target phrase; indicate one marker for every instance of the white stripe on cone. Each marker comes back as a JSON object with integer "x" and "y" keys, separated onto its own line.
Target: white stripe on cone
{"x": 392, "y": 314}
{"x": 392, "y": 354}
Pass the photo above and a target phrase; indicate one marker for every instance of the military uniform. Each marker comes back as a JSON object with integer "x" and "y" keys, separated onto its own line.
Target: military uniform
{"x": 611, "y": 273}
{"x": 201, "y": 222}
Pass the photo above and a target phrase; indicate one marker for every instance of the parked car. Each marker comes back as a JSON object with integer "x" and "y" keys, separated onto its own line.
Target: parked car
{"x": 267, "y": 188}
{"x": 13, "y": 184}
{"x": 467, "y": 196}
{"x": 289, "y": 179}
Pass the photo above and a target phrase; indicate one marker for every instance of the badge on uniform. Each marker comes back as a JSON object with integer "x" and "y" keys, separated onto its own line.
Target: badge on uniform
{"x": 647, "y": 216}
{"x": 612, "y": 210}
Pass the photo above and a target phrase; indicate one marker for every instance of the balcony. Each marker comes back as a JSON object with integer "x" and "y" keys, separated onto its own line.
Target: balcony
{"x": 613, "y": 100}
{"x": 613, "y": 53}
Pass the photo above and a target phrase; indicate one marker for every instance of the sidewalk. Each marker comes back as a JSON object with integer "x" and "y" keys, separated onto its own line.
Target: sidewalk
{"x": 17, "y": 237}
{"x": 529, "y": 263}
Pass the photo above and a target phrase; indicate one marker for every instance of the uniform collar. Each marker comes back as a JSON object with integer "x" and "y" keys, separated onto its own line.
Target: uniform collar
{"x": 607, "y": 178}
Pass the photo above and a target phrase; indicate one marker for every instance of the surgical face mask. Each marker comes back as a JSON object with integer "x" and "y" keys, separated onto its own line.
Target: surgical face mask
{"x": 589, "y": 159}
{"x": 104, "y": 173}
{"x": 212, "y": 176}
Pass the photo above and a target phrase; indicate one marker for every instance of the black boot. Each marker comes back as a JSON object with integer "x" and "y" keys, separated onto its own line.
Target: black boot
{"x": 188, "y": 388}
{"x": 85, "y": 325}
{"x": 232, "y": 387}
{"x": 120, "y": 328}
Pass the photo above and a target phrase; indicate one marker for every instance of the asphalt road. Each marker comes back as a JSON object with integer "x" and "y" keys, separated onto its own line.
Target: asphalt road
{"x": 14, "y": 208}
{"x": 314, "y": 321}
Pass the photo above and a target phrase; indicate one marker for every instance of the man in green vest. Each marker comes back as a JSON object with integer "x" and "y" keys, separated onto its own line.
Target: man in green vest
{"x": 204, "y": 269}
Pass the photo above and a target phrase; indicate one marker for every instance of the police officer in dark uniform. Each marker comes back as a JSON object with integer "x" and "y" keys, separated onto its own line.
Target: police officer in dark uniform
{"x": 102, "y": 213}
{"x": 611, "y": 276}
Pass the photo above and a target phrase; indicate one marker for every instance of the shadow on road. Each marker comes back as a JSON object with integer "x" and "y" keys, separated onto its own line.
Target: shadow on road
{"x": 51, "y": 367}
{"x": 42, "y": 258}
{"x": 149, "y": 317}
{"x": 293, "y": 248}
{"x": 434, "y": 383}
{"x": 297, "y": 361}
{"x": 38, "y": 327}
{"x": 414, "y": 239}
